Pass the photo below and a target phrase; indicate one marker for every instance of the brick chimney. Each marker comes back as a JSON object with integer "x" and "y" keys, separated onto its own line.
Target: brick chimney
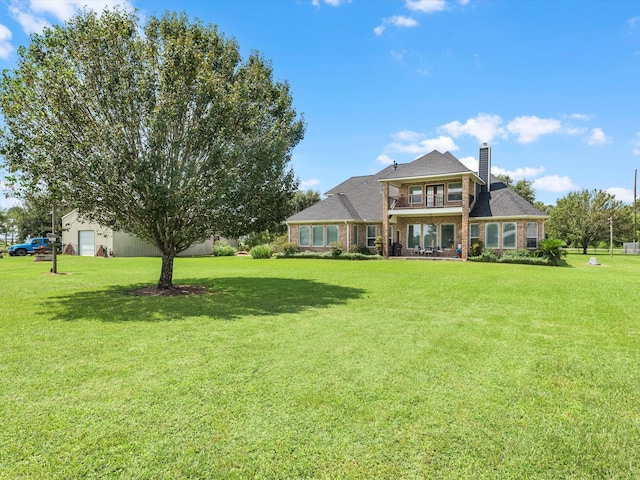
{"x": 484, "y": 167}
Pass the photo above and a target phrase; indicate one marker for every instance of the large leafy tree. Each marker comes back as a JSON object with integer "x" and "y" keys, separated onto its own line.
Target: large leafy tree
{"x": 522, "y": 187}
{"x": 163, "y": 131}
{"x": 302, "y": 200}
{"x": 582, "y": 217}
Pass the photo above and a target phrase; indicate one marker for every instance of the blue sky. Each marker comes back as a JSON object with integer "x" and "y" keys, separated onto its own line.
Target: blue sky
{"x": 552, "y": 86}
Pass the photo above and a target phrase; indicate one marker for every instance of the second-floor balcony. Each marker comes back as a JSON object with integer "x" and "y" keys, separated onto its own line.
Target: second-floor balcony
{"x": 421, "y": 201}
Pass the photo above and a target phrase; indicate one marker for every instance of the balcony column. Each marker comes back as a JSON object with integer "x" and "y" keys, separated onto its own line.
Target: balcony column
{"x": 385, "y": 219}
{"x": 465, "y": 217}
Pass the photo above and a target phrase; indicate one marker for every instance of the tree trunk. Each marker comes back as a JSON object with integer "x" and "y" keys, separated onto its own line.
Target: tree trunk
{"x": 584, "y": 249}
{"x": 166, "y": 274}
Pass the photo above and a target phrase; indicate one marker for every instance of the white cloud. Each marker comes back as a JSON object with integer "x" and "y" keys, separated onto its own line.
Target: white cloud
{"x": 29, "y": 22}
{"x": 575, "y": 130}
{"x": 580, "y": 116}
{"x": 470, "y": 162}
{"x": 554, "y": 183}
{"x": 633, "y": 22}
{"x": 464, "y": 2}
{"x": 484, "y": 127}
{"x": 528, "y": 129}
{"x": 407, "y": 135}
{"x": 420, "y": 147}
{"x": 306, "y": 184}
{"x": 5, "y": 42}
{"x": 622, "y": 194}
{"x": 399, "y": 21}
{"x": 65, "y": 9}
{"x": 426, "y": 6}
{"x": 598, "y": 137}
{"x": 384, "y": 159}
{"x": 518, "y": 173}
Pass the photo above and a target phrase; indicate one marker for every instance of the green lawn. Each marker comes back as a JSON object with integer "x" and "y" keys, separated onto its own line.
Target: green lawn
{"x": 320, "y": 369}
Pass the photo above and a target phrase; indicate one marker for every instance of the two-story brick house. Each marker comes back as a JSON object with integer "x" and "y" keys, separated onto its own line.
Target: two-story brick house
{"x": 431, "y": 206}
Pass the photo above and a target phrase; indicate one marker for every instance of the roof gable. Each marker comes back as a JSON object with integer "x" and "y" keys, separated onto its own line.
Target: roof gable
{"x": 431, "y": 164}
{"x": 501, "y": 201}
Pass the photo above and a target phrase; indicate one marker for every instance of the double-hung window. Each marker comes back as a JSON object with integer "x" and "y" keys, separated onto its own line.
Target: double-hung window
{"x": 371, "y": 235}
{"x": 415, "y": 195}
{"x": 532, "y": 235}
{"x": 509, "y": 235}
{"x": 474, "y": 233}
{"x": 454, "y": 192}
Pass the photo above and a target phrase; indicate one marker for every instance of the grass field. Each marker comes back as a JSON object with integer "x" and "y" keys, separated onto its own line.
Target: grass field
{"x": 320, "y": 369}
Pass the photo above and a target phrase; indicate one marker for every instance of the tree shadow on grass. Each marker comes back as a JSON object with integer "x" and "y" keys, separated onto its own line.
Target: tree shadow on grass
{"x": 225, "y": 299}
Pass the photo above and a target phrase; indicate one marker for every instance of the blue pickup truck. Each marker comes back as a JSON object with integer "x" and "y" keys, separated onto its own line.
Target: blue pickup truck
{"x": 34, "y": 245}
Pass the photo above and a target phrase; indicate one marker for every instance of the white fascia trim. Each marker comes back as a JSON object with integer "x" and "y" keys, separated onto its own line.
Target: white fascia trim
{"x": 446, "y": 176}
{"x": 514, "y": 217}
{"x": 438, "y": 212}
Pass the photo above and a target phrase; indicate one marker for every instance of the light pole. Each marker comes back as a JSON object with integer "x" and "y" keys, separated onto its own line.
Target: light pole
{"x": 611, "y": 236}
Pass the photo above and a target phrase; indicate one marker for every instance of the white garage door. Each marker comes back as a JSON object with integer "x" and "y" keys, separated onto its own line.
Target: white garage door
{"x": 86, "y": 243}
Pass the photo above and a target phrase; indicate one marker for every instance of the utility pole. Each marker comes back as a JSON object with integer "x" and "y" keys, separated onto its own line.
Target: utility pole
{"x": 611, "y": 236}
{"x": 635, "y": 208}
{"x": 54, "y": 239}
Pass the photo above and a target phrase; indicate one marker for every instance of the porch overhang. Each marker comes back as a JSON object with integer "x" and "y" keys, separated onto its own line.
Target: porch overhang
{"x": 417, "y": 212}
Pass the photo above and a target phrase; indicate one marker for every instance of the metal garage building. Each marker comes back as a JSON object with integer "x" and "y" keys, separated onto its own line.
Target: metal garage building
{"x": 80, "y": 237}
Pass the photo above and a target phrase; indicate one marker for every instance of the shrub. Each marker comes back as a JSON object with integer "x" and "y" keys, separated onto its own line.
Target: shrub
{"x": 552, "y": 250}
{"x": 379, "y": 242}
{"x": 485, "y": 256}
{"x": 328, "y": 255}
{"x": 516, "y": 254}
{"x": 361, "y": 249}
{"x": 261, "y": 251}
{"x": 223, "y": 249}
{"x": 336, "y": 249}
{"x": 258, "y": 238}
{"x": 278, "y": 243}
{"x": 477, "y": 248}
{"x": 289, "y": 249}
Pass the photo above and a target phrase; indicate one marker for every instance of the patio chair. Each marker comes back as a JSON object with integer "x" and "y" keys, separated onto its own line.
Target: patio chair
{"x": 416, "y": 250}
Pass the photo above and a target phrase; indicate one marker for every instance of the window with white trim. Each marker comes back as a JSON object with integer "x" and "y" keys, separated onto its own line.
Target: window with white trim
{"x": 332, "y": 234}
{"x": 454, "y": 192}
{"x": 371, "y": 235}
{"x": 492, "y": 235}
{"x": 474, "y": 233}
{"x": 413, "y": 236}
{"x": 532, "y": 235}
{"x": 317, "y": 236}
{"x": 415, "y": 195}
{"x": 509, "y": 235}
{"x": 430, "y": 235}
{"x": 304, "y": 236}
{"x": 448, "y": 235}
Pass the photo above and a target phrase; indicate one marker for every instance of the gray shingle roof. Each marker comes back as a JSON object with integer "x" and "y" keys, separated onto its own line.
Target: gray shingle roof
{"x": 501, "y": 201}
{"x": 360, "y": 198}
{"x": 434, "y": 163}
{"x": 357, "y": 198}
